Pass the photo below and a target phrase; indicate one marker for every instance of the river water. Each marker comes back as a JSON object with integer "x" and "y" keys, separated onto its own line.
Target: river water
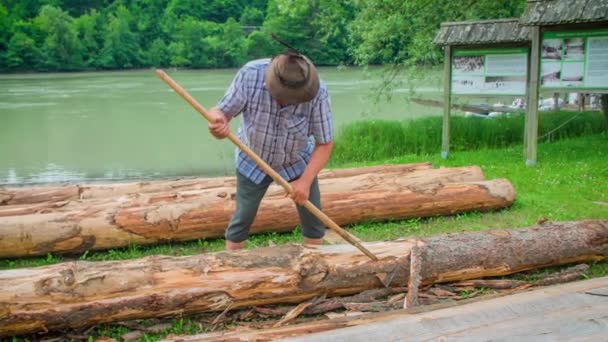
{"x": 116, "y": 126}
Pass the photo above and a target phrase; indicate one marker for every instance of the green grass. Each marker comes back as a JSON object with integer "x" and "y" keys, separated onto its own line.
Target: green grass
{"x": 569, "y": 182}
{"x": 376, "y": 140}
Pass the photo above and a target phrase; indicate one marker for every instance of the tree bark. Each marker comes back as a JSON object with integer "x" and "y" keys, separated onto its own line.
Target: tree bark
{"x": 41, "y": 194}
{"x": 190, "y": 215}
{"x": 79, "y": 293}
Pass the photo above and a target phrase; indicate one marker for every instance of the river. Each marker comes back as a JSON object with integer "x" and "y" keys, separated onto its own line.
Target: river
{"x": 116, "y": 126}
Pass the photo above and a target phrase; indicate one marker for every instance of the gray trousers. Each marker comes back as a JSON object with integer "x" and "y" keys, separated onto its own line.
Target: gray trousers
{"x": 248, "y": 198}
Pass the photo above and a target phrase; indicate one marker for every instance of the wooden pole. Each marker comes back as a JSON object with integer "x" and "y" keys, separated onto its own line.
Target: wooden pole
{"x": 556, "y": 101}
{"x": 265, "y": 167}
{"x": 604, "y": 100}
{"x": 447, "y": 98}
{"x": 531, "y": 129}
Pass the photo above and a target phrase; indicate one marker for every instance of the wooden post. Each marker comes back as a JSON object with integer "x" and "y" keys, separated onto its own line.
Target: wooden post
{"x": 604, "y": 100}
{"x": 555, "y": 101}
{"x": 447, "y": 99}
{"x": 583, "y": 102}
{"x": 531, "y": 129}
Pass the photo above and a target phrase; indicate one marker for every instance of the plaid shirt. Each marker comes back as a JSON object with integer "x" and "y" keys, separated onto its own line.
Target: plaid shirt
{"x": 281, "y": 136}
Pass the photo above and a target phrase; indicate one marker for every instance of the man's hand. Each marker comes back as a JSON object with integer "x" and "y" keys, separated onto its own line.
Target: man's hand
{"x": 300, "y": 191}
{"x": 219, "y": 127}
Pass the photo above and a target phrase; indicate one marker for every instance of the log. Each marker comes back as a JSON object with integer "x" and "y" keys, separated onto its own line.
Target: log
{"x": 41, "y": 194}
{"x": 332, "y": 181}
{"x": 80, "y": 293}
{"x": 94, "y": 225}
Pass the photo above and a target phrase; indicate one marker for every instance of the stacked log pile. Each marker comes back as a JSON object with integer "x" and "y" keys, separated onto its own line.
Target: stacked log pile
{"x": 75, "y": 218}
{"x": 78, "y": 294}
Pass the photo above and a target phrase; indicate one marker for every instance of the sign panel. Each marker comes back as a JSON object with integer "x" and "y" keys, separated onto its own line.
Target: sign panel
{"x": 489, "y": 72}
{"x": 574, "y": 59}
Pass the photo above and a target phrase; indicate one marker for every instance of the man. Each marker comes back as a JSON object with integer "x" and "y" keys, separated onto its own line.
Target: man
{"x": 284, "y": 104}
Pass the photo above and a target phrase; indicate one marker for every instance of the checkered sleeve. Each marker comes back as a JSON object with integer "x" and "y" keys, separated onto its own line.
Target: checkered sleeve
{"x": 321, "y": 125}
{"x": 235, "y": 98}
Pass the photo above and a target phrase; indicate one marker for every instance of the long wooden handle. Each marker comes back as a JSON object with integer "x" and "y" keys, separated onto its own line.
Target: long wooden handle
{"x": 265, "y": 167}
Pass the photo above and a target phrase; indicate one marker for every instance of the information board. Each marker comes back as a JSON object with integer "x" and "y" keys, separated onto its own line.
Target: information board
{"x": 574, "y": 59}
{"x": 490, "y": 71}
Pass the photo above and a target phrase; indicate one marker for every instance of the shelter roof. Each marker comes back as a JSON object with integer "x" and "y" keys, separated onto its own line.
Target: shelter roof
{"x": 482, "y": 32}
{"x": 555, "y": 12}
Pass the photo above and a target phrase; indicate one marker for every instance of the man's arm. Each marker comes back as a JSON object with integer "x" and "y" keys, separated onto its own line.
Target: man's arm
{"x": 318, "y": 159}
{"x": 230, "y": 105}
{"x": 219, "y": 127}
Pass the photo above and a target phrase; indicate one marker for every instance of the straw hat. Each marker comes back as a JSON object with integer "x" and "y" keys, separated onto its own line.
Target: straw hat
{"x": 291, "y": 78}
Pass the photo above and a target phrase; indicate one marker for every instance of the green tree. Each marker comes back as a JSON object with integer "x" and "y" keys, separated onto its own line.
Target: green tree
{"x": 89, "y": 29}
{"x": 192, "y": 49}
{"x": 146, "y": 15}
{"x": 330, "y": 23}
{"x": 5, "y": 35}
{"x": 231, "y": 51}
{"x": 77, "y": 8}
{"x": 252, "y": 16}
{"x": 220, "y": 11}
{"x": 121, "y": 46}
{"x": 22, "y": 52}
{"x": 407, "y": 28}
{"x": 259, "y": 45}
{"x": 403, "y": 38}
{"x": 186, "y": 8}
{"x": 61, "y": 48}
{"x": 316, "y": 28}
{"x": 290, "y": 21}
{"x": 158, "y": 55}
{"x": 23, "y": 9}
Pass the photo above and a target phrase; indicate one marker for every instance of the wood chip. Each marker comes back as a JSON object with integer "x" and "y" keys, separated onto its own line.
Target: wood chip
{"x": 132, "y": 335}
{"x": 441, "y": 292}
{"x": 334, "y": 315}
{"x": 293, "y": 314}
{"x": 221, "y": 315}
{"x": 158, "y": 327}
{"x": 396, "y": 298}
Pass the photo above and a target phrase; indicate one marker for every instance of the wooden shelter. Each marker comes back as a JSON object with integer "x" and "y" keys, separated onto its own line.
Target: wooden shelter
{"x": 474, "y": 41}
{"x": 569, "y": 51}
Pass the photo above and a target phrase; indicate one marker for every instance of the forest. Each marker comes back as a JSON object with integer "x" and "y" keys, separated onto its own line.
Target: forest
{"x": 74, "y": 35}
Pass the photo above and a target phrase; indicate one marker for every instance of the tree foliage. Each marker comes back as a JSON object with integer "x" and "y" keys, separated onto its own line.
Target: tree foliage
{"x": 61, "y": 48}
{"x": 118, "y": 34}
{"x": 408, "y": 27}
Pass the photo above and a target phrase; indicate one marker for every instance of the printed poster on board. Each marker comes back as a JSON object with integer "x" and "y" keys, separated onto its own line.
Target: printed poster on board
{"x": 574, "y": 59}
{"x": 489, "y": 72}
